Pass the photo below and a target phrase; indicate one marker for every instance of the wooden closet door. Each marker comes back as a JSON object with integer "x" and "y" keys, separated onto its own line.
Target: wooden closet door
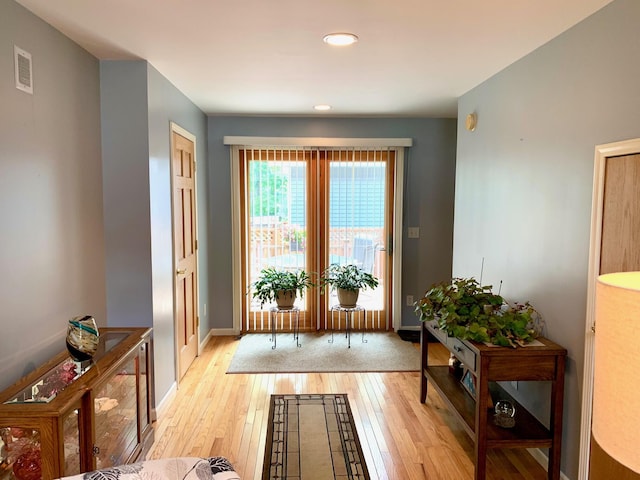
{"x": 619, "y": 252}
{"x": 184, "y": 228}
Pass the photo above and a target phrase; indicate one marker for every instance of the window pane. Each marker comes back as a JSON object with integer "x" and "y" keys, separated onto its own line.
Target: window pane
{"x": 277, "y": 219}
{"x": 357, "y": 218}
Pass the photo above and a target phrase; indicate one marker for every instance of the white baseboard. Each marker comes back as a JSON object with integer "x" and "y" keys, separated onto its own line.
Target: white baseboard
{"x": 224, "y": 332}
{"x": 166, "y": 400}
{"x": 204, "y": 342}
{"x": 411, "y": 327}
{"x": 539, "y": 456}
{"x": 219, "y": 332}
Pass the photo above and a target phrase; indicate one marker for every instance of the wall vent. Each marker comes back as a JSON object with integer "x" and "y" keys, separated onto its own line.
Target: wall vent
{"x": 24, "y": 73}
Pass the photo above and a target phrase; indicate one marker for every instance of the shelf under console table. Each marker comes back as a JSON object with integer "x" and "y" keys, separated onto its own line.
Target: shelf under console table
{"x": 544, "y": 361}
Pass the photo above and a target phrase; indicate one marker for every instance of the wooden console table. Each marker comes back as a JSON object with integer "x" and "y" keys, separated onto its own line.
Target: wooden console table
{"x": 491, "y": 364}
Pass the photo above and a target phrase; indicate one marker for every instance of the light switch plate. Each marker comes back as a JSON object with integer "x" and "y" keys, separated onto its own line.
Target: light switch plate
{"x": 414, "y": 232}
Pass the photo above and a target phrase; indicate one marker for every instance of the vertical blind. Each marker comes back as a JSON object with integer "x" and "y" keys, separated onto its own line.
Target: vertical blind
{"x": 308, "y": 207}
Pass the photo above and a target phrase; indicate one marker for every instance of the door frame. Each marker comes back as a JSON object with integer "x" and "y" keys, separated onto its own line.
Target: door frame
{"x": 602, "y": 154}
{"x": 237, "y": 143}
{"x": 175, "y": 128}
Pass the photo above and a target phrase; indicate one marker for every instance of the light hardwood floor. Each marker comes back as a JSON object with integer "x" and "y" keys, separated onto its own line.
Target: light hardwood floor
{"x": 213, "y": 413}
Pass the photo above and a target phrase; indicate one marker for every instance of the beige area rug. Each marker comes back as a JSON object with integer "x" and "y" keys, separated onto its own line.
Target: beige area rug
{"x": 312, "y": 437}
{"x": 380, "y": 352}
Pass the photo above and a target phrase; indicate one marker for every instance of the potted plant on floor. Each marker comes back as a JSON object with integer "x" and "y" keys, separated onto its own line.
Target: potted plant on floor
{"x": 465, "y": 309}
{"x": 347, "y": 280}
{"x": 281, "y": 286}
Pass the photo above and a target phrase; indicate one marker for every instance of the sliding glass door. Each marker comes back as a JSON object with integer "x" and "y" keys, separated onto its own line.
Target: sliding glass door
{"x": 307, "y": 208}
{"x": 275, "y": 234}
{"x": 356, "y": 223}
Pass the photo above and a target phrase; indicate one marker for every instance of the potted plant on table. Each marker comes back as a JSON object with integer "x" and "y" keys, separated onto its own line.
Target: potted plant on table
{"x": 281, "y": 286}
{"x": 465, "y": 309}
{"x": 347, "y": 280}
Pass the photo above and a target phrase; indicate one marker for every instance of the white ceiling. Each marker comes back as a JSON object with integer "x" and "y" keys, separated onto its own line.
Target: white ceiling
{"x": 266, "y": 57}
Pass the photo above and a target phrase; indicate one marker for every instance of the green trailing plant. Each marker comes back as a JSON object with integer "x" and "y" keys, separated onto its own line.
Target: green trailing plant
{"x": 465, "y": 309}
{"x": 271, "y": 281}
{"x": 347, "y": 277}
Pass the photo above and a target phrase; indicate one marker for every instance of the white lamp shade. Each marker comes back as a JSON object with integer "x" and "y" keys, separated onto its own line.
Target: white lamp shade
{"x": 616, "y": 398}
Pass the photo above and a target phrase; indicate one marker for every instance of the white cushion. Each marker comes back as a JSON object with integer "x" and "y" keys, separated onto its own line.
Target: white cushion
{"x": 182, "y": 468}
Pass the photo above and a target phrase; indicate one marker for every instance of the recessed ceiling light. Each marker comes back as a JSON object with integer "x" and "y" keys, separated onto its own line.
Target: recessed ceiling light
{"x": 340, "y": 39}
{"x": 322, "y": 107}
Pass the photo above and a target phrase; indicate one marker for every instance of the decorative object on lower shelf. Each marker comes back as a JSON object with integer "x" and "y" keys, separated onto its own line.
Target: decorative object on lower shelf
{"x": 21, "y": 451}
{"x": 469, "y": 382}
{"x": 504, "y": 415}
{"x": 82, "y": 338}
{"x": 455, "y": 367}
{"x": 28, "y": 466}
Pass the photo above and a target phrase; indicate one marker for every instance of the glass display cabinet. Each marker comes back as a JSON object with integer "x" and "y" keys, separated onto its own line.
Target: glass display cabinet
{"x": 69, "y": 417}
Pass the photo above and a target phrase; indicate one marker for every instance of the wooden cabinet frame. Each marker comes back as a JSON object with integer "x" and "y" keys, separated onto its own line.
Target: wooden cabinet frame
{"x": 134, "y": 344}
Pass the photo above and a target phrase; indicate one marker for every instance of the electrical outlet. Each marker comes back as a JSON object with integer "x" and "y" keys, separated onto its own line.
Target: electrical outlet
{"x": 409, "y": 300}
{"x": 204, "y": 309}
{"x": 414, "y": 232}
{"x": 514, "y": 384}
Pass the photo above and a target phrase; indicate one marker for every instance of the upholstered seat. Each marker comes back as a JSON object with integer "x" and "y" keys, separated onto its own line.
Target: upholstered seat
{"x": 181, "y": 468}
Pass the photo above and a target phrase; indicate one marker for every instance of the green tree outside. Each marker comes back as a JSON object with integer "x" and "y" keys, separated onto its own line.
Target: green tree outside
{"x": 269, "y": 190}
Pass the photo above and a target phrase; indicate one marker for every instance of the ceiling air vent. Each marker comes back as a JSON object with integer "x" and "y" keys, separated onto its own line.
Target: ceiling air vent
{"x": 24, "y": 74}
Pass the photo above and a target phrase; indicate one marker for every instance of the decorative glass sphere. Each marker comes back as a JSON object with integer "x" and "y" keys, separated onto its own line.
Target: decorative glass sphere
{"x": 505, "y": 412}
{"x": 506, "y": 408}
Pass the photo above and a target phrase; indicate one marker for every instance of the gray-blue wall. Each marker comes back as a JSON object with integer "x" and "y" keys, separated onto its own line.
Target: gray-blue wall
{"x": 51, "y": 234}
{"x": 125, "y": 167}
{"x": 428, "y": 202}
{"x": 523, "y": 188}
{"x": 524, "y": 178}
{"x": 167, "y": 104}
{"x": 138, "y": 106}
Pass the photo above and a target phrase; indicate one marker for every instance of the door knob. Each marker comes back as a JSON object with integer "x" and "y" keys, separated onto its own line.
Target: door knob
{"x": 181, "y": 271}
